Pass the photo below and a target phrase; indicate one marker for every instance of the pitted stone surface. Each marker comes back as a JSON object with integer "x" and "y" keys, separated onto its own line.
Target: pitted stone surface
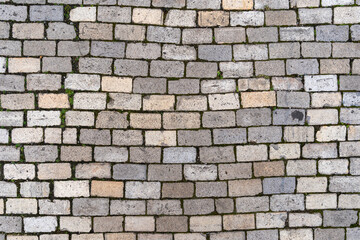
{"x": 179, "y": 119}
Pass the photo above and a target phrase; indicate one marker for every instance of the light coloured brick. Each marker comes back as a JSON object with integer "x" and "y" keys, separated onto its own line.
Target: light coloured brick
{"x": 205, "y": 224}
{"x": 237, "y": 5}
{"x": 27, "y": 135}
{"x": 116, "y": 84}
{"x": 54, "y": 171}
{"x": 143, "y": 190}
{"x": 24, "y": 65}
{"x": 239, "y": 222}
{"x": 40, "y": 224}
{"x": 148, "y": 16}
{"x": 160, "y": 138}
{"x": 71, "y": 188}
{"x": 213, "y": 18}
{"x": 83, "y": 14}
{"x": 21, "y": 206}
{"x": 158, "y": 103}
{"x": 75, "y": 224}
{"x": 321, "y": 201}
{"x": 139, "y": 224}
{"x": 312, "y": 184}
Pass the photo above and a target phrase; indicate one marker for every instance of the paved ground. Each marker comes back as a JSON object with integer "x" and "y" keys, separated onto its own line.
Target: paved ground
{"x": 179, "y": 119}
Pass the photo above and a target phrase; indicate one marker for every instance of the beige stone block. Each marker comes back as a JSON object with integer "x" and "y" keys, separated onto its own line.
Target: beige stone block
{"x": 54, "y": 171}
{"x": 253, "y": 84}
{"x": 239, "y": 222}
{"x": 258, "y": 99}
{"x": 27, "y": 135}
{"x": 213, "y": 18}
{"x": 71, "y": 188}
{"x": 249, "y": 187}
{"x": 159, "y": 103}
{"x": 311, "y": 184}
{"x": 205, "y": 224}
{"x": 321, "y": 201}
{"x": 75, "y": 224}
{"x": 120, "y": 236}
{"x": 145, "y": 120}
{"x": 237, "y": 4}
{"x": 331, "y": 133}
{"x": 18, "y": 101}
{"x": 139, "y": 224}
{"x": 24, "y": 65}
{"x": 148, "y": 16}
{"x": 160, "y": 138}
{"x": 28, "y": 30}
{"x": 269, "y": 169}
{"x": 21, "y": 206}
{"x": 52, "y": 100}
{"x": 116, "y": 84}
{"x": 181, "y": 120}
{"x": 83, "y": 14}
{"x": 107, "y": 189}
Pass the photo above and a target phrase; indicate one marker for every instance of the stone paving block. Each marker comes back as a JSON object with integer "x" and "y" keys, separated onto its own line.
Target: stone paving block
{"x": 83, "y": 14}
{"x": 250, "y": 52}
{"x": 10, "y": 48}
{"x": 163, "y": 34}
{"x": 13, "y": 13}
{"x": 315, "y": 16}
{"x": 56, "y": 64}
{"x": 38, "y": 82}
{"x": 289, "y": 117}
{"x": 130, "y": 32}
{"x": 59, "y": 30}
{"x": 174, "y": 120}
{"x": 213, "y": 18}
{"x": 114, "y": 14}
{"x": 98, "y": 31}
{"x": 336, "y": 233}
{"x": 205, "y": 223}
{"x": 279, "y": 185}
{"x": 40, "y": 224}
{"x": 271, "y": 220}
{"x": 297, "y": 34}
{"x": 28, "y": 30}
{"x": 224, "y": 101}
{"x": 24, "y": 65}
{"x": 334, "y": 66}
{"x": 5, "y": 30}
{"x": 302, "y": 67}
{"x": 316, "y": 50}
{"x": 281, "y": 50}
{"x": 270, "y": 68}
{"x": 281, "y": 18}
{"x": 181, "y": 18}
{"x": 261, "y": 4}
{"x": 247, "y": 18}
{"x": 262, "y": 34}
{"x": 321, "y": 201}
{"x": 75, "y": 224}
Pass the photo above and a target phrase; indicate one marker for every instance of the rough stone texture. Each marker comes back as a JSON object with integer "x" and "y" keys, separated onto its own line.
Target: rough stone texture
{"x": 179, "y": 119}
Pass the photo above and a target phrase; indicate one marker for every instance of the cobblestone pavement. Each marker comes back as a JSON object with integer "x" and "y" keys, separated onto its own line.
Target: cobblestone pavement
{"x": 179, "y": 119}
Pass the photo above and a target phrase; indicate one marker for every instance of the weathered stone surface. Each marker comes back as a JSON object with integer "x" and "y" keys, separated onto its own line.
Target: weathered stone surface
{"x": 179, "y": 119}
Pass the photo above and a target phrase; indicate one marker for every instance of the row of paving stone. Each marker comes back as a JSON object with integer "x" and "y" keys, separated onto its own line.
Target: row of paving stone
{"x": 237, "y": 52}
{"x": 201, "y": 4}
{"x": 182, "y": 18}
{"x": 179, "y": 119}
{"x": 189, "y": 36}
{"x": 318, "y": 233}
{"x": 178, "y": 69}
